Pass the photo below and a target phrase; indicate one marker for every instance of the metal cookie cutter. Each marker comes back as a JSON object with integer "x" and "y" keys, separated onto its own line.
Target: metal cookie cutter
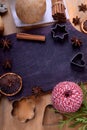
{"x": 3, "y": 10}
{"x": 59, "y": 32}
{"x": 78, "y": 61}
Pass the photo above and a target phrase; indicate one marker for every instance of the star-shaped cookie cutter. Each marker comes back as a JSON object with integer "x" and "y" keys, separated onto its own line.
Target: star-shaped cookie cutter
{"x": 59, "y": 32}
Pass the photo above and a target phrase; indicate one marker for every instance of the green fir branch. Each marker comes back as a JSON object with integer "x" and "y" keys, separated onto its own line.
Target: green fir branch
{"x": 76, "y": 118}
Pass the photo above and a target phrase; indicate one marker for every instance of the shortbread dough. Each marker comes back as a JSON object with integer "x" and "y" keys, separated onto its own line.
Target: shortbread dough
{"x": 30, "y": 11}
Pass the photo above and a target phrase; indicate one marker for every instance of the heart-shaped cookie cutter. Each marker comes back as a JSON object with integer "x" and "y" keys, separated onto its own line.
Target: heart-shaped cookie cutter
{"x": 78, "y": 60}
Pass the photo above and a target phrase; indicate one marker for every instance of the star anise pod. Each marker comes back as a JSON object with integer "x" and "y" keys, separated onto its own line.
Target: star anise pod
{"x": 36, "y": 91}
{"x": 76, "y": 20}
{"x": 5, "y": 44}
{"x": 7, "y": 64}
{"x": 76, "y": 42}
{"x": 82, "y": 7}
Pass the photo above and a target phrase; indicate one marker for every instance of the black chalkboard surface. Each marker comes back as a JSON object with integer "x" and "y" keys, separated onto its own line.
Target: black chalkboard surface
{"x": 45, "y": 64}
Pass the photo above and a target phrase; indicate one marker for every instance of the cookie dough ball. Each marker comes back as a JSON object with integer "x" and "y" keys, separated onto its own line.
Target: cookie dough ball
{"x": 30, "y": 11}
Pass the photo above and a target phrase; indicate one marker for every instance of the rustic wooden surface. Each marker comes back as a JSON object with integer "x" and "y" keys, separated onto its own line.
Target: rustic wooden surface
{"x": 72, "y": 6}
{"x": 7, "y": 122}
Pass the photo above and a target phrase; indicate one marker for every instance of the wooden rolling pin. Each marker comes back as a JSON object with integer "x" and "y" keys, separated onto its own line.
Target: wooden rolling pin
{"x": 26, "y": 36}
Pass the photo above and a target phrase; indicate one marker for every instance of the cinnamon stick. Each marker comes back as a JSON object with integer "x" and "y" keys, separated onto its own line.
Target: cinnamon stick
{"x": 58, "y": 10}
{"x": 26, "y": 36}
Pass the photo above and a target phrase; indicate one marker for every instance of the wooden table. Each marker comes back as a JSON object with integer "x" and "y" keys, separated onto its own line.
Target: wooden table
{"x": 72, "y": 7}
{"x": 7, "y": 122}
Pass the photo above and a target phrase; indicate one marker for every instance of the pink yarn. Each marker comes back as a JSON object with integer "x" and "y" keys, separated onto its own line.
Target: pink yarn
{"x": 67, "y": 97}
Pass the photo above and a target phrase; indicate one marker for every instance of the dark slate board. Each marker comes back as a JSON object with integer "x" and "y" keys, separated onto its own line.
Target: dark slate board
{"x": 45, "y": 64}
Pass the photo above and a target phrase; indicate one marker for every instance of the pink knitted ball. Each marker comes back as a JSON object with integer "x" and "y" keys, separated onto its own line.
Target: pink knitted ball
{"x": 67, "y": 97}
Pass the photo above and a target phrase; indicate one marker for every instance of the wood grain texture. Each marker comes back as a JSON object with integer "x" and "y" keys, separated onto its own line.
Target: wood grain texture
{"x": 72, "y": 6}
{"x": 7, "y": 122}
{"x": 73, "y": 10}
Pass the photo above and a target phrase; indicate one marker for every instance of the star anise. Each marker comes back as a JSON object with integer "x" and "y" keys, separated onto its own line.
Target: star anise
{"x": 7, "y": 64}
{"x": 76, "y": 20}
{"x": 36, "y": 91}
{"x": 76, "y": 42}
{"x": 82, "y": 7}
{"x": 5, "y": 44}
